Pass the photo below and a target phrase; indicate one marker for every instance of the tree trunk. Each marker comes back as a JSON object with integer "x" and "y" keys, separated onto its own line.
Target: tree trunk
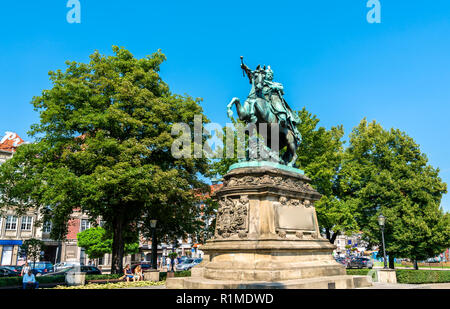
{"x": 391, "y": 261}
{"x": 416, "y": 265}
{"x": 333, "y": 238}
{"x": 327, "y": 233}
{"x": 117, "y": 246}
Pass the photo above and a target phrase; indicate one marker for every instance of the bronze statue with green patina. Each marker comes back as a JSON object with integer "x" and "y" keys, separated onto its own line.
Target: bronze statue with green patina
{"x": 265, "y": 104}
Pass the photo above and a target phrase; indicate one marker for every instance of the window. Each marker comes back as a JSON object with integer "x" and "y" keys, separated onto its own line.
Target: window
{"x": 82, "y": 257}
{"x": 11, "y": 223}
{"x": 47, "y": 228}
{"x": 7, "y": 255}
{"x": 26, "y": 223}
{"x": 85, "y": 224}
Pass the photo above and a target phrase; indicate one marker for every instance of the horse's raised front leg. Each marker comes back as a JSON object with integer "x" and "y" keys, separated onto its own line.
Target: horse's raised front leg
{"x": 230, "y": 105}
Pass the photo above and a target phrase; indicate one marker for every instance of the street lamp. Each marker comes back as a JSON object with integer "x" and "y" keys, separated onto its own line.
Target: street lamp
{"x": 381, "y": 221}
{"x": 154, "y": 243}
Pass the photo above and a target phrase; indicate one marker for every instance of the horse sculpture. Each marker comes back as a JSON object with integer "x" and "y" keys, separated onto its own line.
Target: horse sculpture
{"x": 257, "y": 109}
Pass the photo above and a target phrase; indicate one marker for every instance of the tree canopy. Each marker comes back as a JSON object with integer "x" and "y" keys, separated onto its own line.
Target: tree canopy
{"x": 103, "y": 145}
{"x": 385, "y": 171}
{"x": 320, "y": 156}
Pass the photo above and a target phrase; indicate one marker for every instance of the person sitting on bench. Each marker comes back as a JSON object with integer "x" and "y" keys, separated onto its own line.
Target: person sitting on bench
{"x": 127, "y": 273}
{"x": 29, "y": 281}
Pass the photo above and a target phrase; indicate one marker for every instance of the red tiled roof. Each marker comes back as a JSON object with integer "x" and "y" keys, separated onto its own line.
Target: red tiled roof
{"x": 10, "y": 142}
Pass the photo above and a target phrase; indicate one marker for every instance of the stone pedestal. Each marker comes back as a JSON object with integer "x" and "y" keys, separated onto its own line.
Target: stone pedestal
{"x": 151, "y": 275}
{"x": 386, "y": 276}
{"x": 75, "y": 278}
{"x": 267, "y": 236}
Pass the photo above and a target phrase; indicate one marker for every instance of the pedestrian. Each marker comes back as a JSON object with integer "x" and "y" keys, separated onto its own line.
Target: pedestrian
{"x": 25, "y": 269}
{"x": 29, "y": 281}
{"x": 168, "y": 263}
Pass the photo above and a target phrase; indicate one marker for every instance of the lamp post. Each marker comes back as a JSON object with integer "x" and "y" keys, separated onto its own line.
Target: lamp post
{"x": 381, "y": 221}
{"x": 154, "y": 244}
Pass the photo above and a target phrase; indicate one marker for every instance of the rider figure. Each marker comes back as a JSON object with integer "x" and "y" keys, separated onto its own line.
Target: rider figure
{"x": 273, "y": 92}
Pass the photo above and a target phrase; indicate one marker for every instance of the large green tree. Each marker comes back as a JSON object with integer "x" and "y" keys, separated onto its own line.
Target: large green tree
{"x": 103, "y": 144}
{"x": 385, "y": 171}
{"x": 320, "y": 155}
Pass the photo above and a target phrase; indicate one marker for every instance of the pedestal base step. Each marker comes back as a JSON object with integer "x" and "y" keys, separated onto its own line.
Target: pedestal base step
{"x": 329, "y": 282}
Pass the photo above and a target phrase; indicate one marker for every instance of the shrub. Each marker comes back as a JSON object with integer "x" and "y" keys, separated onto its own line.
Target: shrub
{"x": 184, "y": 273}
{"x": 10, "y": 281}
{"x": 101, "y": 277}
{"x": 422, "y": 276}
{"x": 17, "y": 281}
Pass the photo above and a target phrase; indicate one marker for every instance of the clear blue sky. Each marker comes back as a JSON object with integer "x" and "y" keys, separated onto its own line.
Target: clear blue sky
{"x": 326, "y": 54}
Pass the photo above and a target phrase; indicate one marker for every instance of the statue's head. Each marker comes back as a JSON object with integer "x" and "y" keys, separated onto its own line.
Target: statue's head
{"x": 259, "y": 75}
{"x": 269, "y": 73}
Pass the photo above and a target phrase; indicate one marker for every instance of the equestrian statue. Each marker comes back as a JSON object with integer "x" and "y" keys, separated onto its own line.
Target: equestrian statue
{"x": 265, "y": 104}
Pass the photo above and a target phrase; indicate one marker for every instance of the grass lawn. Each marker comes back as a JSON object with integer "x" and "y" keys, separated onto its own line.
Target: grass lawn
{"x": 107, "y": 286}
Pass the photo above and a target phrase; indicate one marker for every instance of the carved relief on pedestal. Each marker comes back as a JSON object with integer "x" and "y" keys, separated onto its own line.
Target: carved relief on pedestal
{"x": 299, "y": 234}
{"x": 284, "y": 201}
{"x": 266, "y": 179}
{"x": 281, "y": 234}
{"x": 232, "y": 217}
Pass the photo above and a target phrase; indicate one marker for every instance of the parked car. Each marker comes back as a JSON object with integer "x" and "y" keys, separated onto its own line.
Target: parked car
{"x": 342, "y": 261}
{"x": 360, "y": 262}
{"x": 40, "y": 268}
{"x": 6, "y": 272}
{"x": 14, "y": 268}
{"x": 184, "y": 264}
{"x": 89, "y": 270}
{"x": 182, "y": 259}
{"x": 189, "y": 263}
{"x": 64, "y": 265}
{"x": 144, "y": 266}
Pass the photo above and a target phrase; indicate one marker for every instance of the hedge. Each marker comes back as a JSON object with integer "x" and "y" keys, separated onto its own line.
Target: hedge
{"x": 422, "y": 276}
{"x": 17, "y": 281}
{"x": 101, "y": 277}
{"x": 410, "y": 276}
{"x": 184, "y": 273}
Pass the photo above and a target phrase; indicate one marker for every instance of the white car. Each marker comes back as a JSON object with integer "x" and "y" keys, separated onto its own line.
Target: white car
{"x": 189, "y": 263}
